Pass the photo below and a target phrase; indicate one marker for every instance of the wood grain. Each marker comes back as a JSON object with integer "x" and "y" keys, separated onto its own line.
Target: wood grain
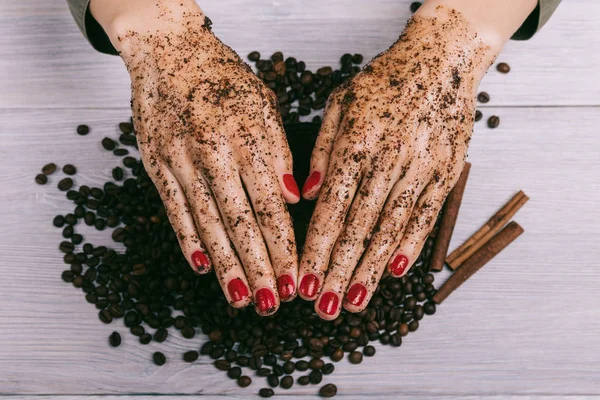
{"x": 526, "y": 327}
{"x": 527, "y": 324}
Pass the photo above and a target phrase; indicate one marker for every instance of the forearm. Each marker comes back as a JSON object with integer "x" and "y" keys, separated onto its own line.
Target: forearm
{"x": 494, "y": 20}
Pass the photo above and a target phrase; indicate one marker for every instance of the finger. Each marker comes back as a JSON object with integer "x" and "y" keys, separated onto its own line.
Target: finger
{"x": 242, "y": 228}
{"x": 228, "y": 268}
{"x": 176, "y": 205}
{"x": 419, "y": 227}
{"x": 274, "y": 222}
{"x": 279, "y": 151}
{"x": 391, "y": 226}
{"x": 328, "y": 218}
{"x": 323, "y": 147}
{"x": 353, "y": 240}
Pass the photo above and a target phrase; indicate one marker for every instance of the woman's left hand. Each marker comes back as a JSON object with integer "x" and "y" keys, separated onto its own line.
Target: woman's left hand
{"x": 392, "y": 145}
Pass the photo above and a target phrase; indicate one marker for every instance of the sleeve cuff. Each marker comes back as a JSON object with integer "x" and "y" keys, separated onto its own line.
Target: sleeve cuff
{"x": 534, "y": 22}
{"x": 91, "y": 29}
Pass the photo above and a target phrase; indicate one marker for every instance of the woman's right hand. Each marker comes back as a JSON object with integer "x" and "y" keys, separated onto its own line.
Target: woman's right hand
{"x": 213, "y": 143}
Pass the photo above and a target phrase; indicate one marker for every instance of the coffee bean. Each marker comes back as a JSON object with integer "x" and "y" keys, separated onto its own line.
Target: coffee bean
{"x": 328, "y": 368}
{"x": 429, "y": 308}
{"x": 328, "y": 390}
{"x": 117, "y": 174}
{"x": 64, "y": 184}
{"x": 41, "y": 179}
{"x": 69, "y": 169}
{"x": 302, "y": 365}
{"x": 337, "y": 355}
{"x": 127, "y": 140}
{"x": 145, "y": 338}
{"x": 286, "y": 382}
{"x": 273, "y": 380}
{"x": 414, "y": 6}
{"x": 315, "y": 377}
{"x": 190, "y": 356}
{"x": 120, "y": 152}
{"x": 369, "y": 351}
{"x": 503, "y": 67}
{"x": 493, "y": 122}
{"x": 159, "y": 358}
{"x": 114, "y": 339}
{"x": 277, "y": 56}
{"x": 478, "y": 115}
{"x": 104, "y": 315}
{"x": 222, "y": 365}
{"x": 108, "y": 144}
{"x": 266, "y": 392}
{"x": 234, "y": 373}
{"x": 58, "y": 221}
{"x": 244, "y": 381}
{"x": 49, "y": 169}
{"x": 357, "y": 58}
{"x": 355, "y": 357}
{"x": 324, "y": 71}
{"x": 483, "y": 97}
{"x": 125, "y": 127}
{"x": 254, "y": 56}
{"x": 413, "y": 326}
{"x": 77, "y": 239}
{"x": 66, "y": 247}
{"x": 83, "y": 130}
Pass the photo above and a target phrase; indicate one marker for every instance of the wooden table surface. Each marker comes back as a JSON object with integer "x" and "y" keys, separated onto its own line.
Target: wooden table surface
{"x": 526, "y": 326}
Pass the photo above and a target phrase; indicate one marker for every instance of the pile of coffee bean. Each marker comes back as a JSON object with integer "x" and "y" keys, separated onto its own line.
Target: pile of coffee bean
{"x": 300, "y": 91}
{"x": 153, "y": 290}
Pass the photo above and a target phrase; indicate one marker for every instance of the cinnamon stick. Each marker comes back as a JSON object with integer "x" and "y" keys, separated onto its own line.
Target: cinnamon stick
{"x": 448, "y": 220}
{"x": 478, "y": 260}
{"x": 487, "y": 231}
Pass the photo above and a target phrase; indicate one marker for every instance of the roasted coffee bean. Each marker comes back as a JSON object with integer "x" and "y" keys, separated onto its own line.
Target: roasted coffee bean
{"x": 114, "y": 339}
{"x": 67, "y": 232}
{"x": 337, "y": 355}
{"x": 355, "y": 357}
{"x": 66, "y": 247}
{"x": 263, "y": 372}
{"x": 277, "y": 56}
{"x": 222, "y": 365}
{"x": 273, "y": 380}
{"x": 127, "y": 140}
{"x": 83, "y": 130}
{"x": 357, "y": 58}
{"x": 429, "y": 308}
{"x": 41, "y": 179}
{"x": 159, "y": 358}
{"x": 64, "y": 184}
{"x": 49, "y": 169}
{"x": 324, "y": 71}
{"x": 369, "y": 351}
{"x": 503, "y": 67}
{"x": 303, "y": 380}
{"x": 493, "y": 121}
{"x": 302, "y": 365}
{"x": 108, "y": 144}
{"x": 125, "y": 127}
{"x": 478, "y": 115}
{"x": 77, "y": 239}
{"x": 234, "y": 373}
{"x": 190, "y": 356}
{"x": 328, "y": 390}
{"x": 315, "y": 377}
{"x": 254, "y": 56}
{"x": 266, "y": 392}
{"x": 244, "y": 381}
{"x": 58, "y": 221}
{"x": 104, "y": 315}
{"x": 316, "y": 363}
{"x": 483, "y": 97}
{"x": 413, "y": 326}
{"x": 120, "y": 152}
{"x": 286, "y": 382}
{"x": 145, "y": 338}
{"x": 69, "y": 169}
{"x": 328, "y": 368}
{"x": 117, "y": 174}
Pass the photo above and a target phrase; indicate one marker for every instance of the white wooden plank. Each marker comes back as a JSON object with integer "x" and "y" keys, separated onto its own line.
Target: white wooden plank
{"x": 46, "y": 62}
{"x": 527, "y": 324}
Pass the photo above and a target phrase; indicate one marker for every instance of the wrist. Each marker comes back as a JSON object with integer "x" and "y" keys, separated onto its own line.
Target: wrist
{"x": 122, "y": 18}
{"x": 494, "y": 21}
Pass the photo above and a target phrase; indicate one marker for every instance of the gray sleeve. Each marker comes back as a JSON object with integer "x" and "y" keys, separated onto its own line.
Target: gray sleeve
{"x": 91, "y": 29}
{"x": 536, "y": 19}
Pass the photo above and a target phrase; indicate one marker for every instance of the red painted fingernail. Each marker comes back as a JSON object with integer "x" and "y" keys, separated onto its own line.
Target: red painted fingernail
{"x": 356, "y": 295}
{"x": 329, "y": 303}
{"x": 264, "y": 299}
{"x": 399, "y": 264}
{"x": 285, "y": 286}
{"x": 237, "y": 289}
{"x": 200, "y": 260}
{"x": 311, "y": 181}
{"x": 309, "y": 285}
{"x": 290, "y": 184}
